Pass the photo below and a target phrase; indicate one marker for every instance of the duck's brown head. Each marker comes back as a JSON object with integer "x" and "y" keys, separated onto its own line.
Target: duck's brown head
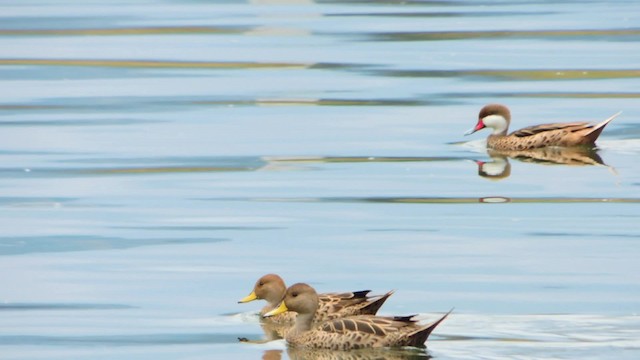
{"x": 300, "y": 298}
{"x": 494, "y": 116}
{"x": 269, "y": 287}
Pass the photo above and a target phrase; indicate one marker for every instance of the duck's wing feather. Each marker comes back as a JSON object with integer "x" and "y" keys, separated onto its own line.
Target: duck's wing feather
{"x": 334, "y": 302}
{"x": 373, "y": 325}
{"x": 352, "y": 303}
{"x": 538, "y": 129}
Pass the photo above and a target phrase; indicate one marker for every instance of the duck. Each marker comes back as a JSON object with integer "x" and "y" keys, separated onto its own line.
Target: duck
{"x": 348, "y": 333}
{"x": 271, "y": 287}
{"x": 498, "y": 117}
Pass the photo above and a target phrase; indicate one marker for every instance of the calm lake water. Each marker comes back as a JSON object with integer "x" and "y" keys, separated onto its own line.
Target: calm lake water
{"x": 160, "y": 156}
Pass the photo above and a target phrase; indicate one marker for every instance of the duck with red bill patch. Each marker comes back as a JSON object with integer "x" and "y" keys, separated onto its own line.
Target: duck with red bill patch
{"x": 498, "y": 117}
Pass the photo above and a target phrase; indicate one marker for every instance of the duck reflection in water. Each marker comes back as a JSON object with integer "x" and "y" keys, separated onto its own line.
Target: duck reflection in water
{"x": 499, "y": 167}
{"x": 360, "y": 354}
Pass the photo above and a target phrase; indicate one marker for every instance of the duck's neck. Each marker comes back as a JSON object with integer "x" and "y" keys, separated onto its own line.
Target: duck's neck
{"x": 497, "y": 123}
{"x": 303, "y": 323}
{"x": 273, "y": 301}
{"x": 267, "y": 308}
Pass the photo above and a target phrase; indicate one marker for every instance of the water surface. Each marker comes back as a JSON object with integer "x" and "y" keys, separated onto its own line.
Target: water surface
{"x": 160, "y": 156}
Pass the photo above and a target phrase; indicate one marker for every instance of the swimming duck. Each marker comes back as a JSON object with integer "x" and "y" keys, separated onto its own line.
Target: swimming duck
{"x": 271, "y": 288}
{"x": 498, "y": 117}
{"x": 354, "y": 332}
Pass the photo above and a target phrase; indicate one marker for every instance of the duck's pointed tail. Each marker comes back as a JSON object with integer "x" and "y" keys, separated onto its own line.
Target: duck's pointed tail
{"x": 420, "y": 337}
{"x": 595, "y": 131}
{"x": 375, "y": 305}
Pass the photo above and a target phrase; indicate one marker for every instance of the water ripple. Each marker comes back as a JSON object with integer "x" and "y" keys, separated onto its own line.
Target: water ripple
{"x": 120, "y": 340}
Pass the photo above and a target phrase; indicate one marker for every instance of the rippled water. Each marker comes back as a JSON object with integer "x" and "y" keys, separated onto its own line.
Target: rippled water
{"x": 160, "y": 156}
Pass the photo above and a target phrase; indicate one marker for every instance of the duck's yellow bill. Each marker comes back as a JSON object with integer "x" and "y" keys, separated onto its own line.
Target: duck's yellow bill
{"x": 279, "y": 310}
{"x": 249, "y": 297}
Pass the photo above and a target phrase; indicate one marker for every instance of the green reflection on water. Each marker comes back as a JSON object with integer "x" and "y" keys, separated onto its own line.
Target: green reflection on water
{"x": 444, "y": 200}
{"x": 14, "y": 245}
{"x": 608, "y": 34}
{"x": 169, "y": 30}
{"x": 524, "y": 74}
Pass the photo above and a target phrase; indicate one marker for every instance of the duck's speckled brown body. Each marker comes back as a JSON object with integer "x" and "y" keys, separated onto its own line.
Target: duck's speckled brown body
{"x": 356, "y": 332}
{"x": 272, "y": 288}
{"x": 498, "y": 117}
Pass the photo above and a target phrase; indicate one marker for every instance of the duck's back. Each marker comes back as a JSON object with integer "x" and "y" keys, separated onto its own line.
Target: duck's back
{"x": 338, "y": 305}
{"x": 538, "y": 136}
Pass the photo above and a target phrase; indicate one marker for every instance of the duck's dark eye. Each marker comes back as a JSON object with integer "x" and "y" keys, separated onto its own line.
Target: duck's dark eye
{"x": 294, "y": 294}
{"x": 260, "y": 283}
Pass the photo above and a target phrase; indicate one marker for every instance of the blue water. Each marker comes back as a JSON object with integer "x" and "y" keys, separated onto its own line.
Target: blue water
{"x": 160, "y": 156}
